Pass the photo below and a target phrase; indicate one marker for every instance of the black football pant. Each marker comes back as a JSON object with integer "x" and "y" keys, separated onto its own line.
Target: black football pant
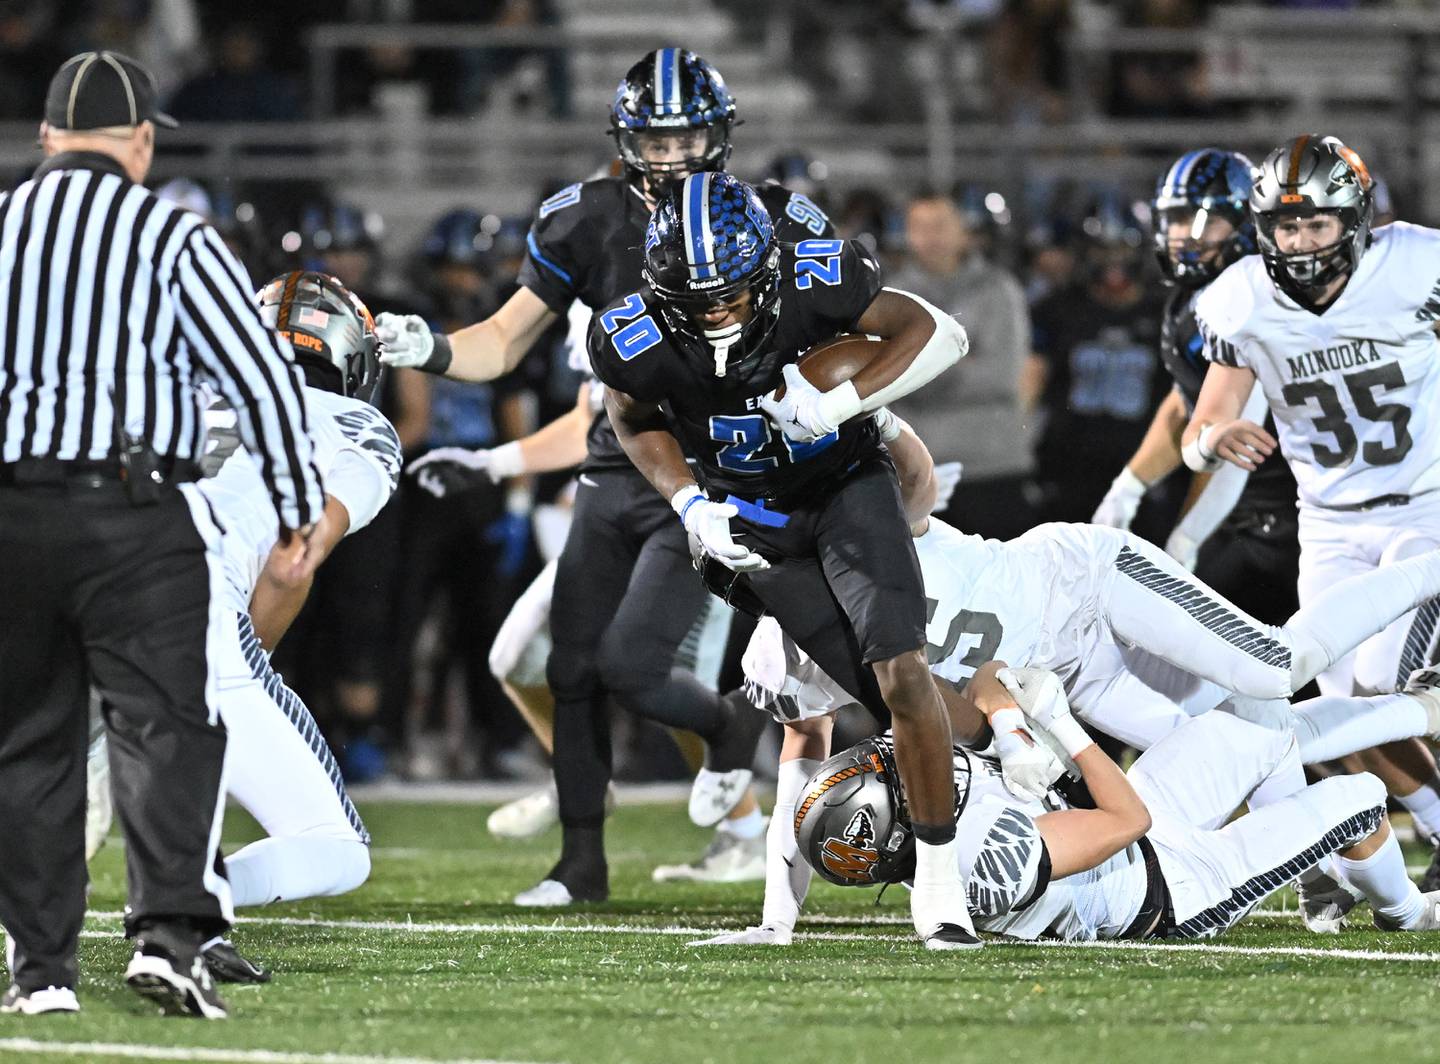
{"x": 626, "y": 594}
{"x": 96, "y": 591}
{"x": 844, "y": 581}
{"x": 1253, "y": 559}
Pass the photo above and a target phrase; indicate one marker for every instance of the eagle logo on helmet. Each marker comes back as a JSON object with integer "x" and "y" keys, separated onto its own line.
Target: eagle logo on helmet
{"x": 853, "y": 855}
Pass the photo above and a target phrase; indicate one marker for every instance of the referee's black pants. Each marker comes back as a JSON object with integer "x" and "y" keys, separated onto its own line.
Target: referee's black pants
{"x": 96, "y": 591}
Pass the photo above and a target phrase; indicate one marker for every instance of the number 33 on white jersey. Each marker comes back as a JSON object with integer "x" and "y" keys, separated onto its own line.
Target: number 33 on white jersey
{"x": 1355, "y": 390}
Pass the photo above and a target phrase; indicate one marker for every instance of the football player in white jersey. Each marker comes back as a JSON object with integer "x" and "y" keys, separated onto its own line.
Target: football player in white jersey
{"x": 1139, "y": 643}
{"x": 1149, "y": 855}
{"x": 277, "y": 764}
{"x": 1338, "y": 325}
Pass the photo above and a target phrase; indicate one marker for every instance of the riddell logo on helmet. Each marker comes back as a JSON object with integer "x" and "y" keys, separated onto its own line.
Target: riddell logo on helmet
{"x": 709, "y": 282}
{"x": 668, "y": 121}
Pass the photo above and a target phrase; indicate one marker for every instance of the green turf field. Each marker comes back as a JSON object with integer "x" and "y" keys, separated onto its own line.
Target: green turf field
{"x": 427, "y": 962}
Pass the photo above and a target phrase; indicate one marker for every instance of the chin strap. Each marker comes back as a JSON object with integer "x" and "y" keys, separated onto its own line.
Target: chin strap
{"x": 721, "y": 340}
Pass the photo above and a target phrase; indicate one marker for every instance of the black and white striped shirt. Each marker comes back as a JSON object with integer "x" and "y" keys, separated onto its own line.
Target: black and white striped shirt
{"x": 112, "y": 299}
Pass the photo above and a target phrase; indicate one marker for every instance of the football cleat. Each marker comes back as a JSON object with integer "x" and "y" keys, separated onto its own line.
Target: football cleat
{"x": 1324, "y": 903}
{"x": 728, "y": 859}
{"x": 171, "y": 972}
{"x": 553, "y": 894}
{"x": 714, "y": 794}
{"x": 951, "y": 937}
{"x": 228, "y": 965}
{"x": 1431, "y": 879}
{"x": 1423, "y": 685}
{"x": 1429, "y": 919}
{"x": 37, "y": 1002}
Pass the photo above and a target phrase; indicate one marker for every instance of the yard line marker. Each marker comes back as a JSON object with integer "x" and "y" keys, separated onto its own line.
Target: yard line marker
{"x": 223, "y": 1056}
{"x": 494, "y": 928}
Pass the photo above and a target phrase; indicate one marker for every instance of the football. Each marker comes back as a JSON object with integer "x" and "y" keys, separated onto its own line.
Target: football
{"x": 835, "y": 361}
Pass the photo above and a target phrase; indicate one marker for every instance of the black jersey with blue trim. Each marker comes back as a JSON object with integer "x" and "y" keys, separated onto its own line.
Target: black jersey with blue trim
{"x": 1271, "y": 488}
{"x": 826, "y": 285}
{"x": 587, "y": 243}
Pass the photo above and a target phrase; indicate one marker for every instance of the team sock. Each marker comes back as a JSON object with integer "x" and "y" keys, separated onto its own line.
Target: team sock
{"x": 284, "y": 869}
{"x": 1381, "y": 878}
{"x": 1423, "y": 806}
{"x": 787, "y": 876}
{"x": 749, "y": 826}
{"x": 1331, "y": 727}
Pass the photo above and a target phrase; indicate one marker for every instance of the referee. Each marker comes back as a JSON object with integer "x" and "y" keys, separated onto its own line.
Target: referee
{"x": 114, "y": 307}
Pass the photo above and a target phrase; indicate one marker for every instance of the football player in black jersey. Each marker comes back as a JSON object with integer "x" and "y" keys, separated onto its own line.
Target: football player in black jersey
{"x": 798, "y": 493}
{"x": 1202, "y": 224}
{"x": 624, "y": 594}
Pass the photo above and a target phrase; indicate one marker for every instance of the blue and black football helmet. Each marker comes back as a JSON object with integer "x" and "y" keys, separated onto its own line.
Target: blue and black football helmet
{"x": 672, "y": 91}
{"x": 710, "y": 240}
{"x": 1201, "y": 184}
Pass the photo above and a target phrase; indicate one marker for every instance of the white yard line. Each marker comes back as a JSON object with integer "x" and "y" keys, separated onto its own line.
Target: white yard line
{"x": 224, "y": 1056}
{"x": 495, "y": 928}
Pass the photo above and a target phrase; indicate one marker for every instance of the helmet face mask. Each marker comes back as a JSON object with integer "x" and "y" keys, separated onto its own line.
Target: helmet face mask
{"x": 1201, "y": 188}
{"x": 710, "y": 242}
{"x": 1308, "y": 177}
{"x": 328, "y": 327}
{"x": 672, "y": 117}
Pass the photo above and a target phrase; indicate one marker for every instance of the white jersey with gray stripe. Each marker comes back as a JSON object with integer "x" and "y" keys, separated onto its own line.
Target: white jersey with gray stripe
{"x": 1000, "y": 850}
{"x": 1355, "y": 390}
{"x": 358, "y": 454}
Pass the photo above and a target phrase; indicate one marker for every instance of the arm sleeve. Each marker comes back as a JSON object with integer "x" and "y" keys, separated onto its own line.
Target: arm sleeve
{"x": 253, "y": 368}
{"x": 549, "y": 267}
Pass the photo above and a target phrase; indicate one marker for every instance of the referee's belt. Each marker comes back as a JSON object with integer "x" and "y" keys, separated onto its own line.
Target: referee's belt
{"x": 55, "y": 473}
{"x": 1156, "y": 915}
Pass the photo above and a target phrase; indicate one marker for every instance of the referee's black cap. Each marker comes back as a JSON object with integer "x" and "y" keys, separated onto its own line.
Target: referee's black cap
{"x": 96, "y": 90}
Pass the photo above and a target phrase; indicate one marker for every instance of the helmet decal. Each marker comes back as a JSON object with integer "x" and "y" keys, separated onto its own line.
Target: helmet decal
{"x": 853, "y": 854}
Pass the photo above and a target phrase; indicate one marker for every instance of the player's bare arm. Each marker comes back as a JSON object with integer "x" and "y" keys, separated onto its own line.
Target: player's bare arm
{"x": 1078, "y": 839}
{"x": 1217, "y": 431}
{"x": 647, "y": 439}
{"x": 480, "y": 352}
{"x": 282, "y": 588}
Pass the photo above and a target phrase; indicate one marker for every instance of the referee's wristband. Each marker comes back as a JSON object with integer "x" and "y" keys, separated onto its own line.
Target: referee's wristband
{"x": 440, "y": 355}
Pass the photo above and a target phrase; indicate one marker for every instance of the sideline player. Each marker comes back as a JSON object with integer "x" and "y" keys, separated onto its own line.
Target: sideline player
{"x": 724, "y": 314}
{"x": 1338, "y": 324}
{"x": 277, "y": 764}
{"x": 1239, "y": 533}
{"x": 624, "y": 592}
{"x": 1154, "y": 857}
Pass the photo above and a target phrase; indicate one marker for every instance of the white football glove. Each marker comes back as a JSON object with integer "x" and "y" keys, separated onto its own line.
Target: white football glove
{"x": 764, "y": 935}
{"x": 709, "y": 522}
{"x": 806, "y": 413}
{"x": 447, "y": 470}
{"x": 1042, "y": 698}
{"x": 1183, "y": 549}
{"x": 406, "y": 342}
{"x": 1027, "y": 767}
{"x": 1117, "y": 509}
{"x": 947, "y": 478}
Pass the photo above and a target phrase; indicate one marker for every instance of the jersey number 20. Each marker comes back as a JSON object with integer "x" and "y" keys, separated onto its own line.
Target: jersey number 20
{"x": 640, "y": 335}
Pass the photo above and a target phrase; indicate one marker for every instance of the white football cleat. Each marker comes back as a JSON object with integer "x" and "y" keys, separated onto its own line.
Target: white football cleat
{"x": 547, "y": 894}
{"x": 37, "y": 1002}
{"x": 728, "y": 859}
{"x": 1429, "y": 916}
{"x": 714, "y": 794}
{"x": 1325, "y": 902}
{"x": 942, "y": 919}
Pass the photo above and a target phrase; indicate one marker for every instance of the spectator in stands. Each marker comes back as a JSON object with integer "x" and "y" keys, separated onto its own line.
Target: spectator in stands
{"x": 971, "y": 413}
{"x": 1029, "y": 64}
{"x": 239, "y": 86}
{"x": 1095, "y": 370}
{"x": 29, "y": 54}
{"x": 1164, "y": 83}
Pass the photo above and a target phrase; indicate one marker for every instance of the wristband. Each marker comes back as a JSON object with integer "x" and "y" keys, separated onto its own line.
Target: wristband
{"x": 440, "y": 354}
{"x": 1197, "y": 455}
{"x": 1127, "y": 482}
{"x": 519, "y": 501}
{"x": 686, "y": 497}
{"x": 1007, "y": 720}
{"x": 507, "y": 461}
{"x": 1072, "y": 738}
{"x": 839, "y": 404}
